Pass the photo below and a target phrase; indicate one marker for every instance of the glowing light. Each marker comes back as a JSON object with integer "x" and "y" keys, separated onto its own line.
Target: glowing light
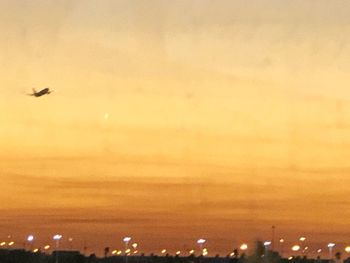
{"x": 135, "y": 252}
{"x": 232, "y": 254}
{"x": 134, "y": 245}
{"x": 47, "y": 247}
{"x": 205, "y": 253}
{"x": 126, "y": 239}
{"x": 2, "y": 244}
{"x": 57, "y": 237}
{"x": 127, "y": 251}
{"x": 119, "y": 252}
{"x": 244, "y": 247}
{"x": 191, "y": 252}
{"x": 114, "y": 252}
{"x": 163, "y": 251}
{"x": 178, "y": 252}
{"x": 319, "y": 250}
{"x": 11, "y": 243}
{"x": 70, "y": 239}
{"x": 36, "y": 250}
{"x": 201, "y": 241}
{"x": 267, "y": 243}
{"x": 302, "y": 239}
{"x": 331, "y": 245}
{"x": 281, "y": 240}
{"x": 296, "y": 248}
{"x": 30, "y": 238}
{"x": 290, "y": 258}
{"x": 347, "y": 249}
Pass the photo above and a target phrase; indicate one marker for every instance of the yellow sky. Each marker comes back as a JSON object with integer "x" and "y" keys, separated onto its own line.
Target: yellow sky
{"x": 220, "y": 115}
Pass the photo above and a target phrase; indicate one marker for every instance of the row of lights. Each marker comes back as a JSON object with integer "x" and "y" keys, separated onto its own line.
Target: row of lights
{"x": 200, "y": 242}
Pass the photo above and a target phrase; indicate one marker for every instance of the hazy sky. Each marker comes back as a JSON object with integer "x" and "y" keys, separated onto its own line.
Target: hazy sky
{"x": 174, "y": 120}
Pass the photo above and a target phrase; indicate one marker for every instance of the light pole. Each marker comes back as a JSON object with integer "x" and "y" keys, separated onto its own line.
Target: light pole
{"x": 243, "y": 247}
{"x": 201, "y": 242}
{"x": 70, "y": 240}
{"x": 126, "y": 240}
{"x": 266, "y": 245}
{"x": 281, "y": 246}
{"x": 330, "y": 247}
{"x": 30, "y": 239}
{"x": 57, "y": 238}
{"x": 302, "y": 243}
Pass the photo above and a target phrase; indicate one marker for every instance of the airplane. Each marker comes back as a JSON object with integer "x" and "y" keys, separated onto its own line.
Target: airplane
{"x": 41, "y": 92}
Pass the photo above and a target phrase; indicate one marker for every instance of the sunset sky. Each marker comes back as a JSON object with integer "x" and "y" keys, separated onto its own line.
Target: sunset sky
{"x": 175, "y": 120}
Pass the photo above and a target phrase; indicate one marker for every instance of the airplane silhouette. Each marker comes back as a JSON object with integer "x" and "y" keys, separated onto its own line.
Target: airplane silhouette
{"x": 41, "y": 92}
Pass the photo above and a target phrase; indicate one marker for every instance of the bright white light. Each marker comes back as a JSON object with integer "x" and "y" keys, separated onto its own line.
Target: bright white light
{"x": 30, "y": 238}
{"x": 331, "y": 245}
{"x": 302, "y": 239}
{"x": 347, "y": 249}
{"x": 191, "y": 251}
{"x": 281, "y": 240}
{"x": 319, "y": 250}
{"x": 296, "y": 248}
{"x": 57, "y": 237}
{"x": 244, "y": 247}
{"x": 134, "y": 245}
{"x": 290, "y": 258}
{"x": 126, "y": 239}
{"x": 11, "y": 243}
{"x": 267, "y": 243}
{"x": 178, "y": 252}
{"x": 163, "y": 251}
{"x": 201, "y": 241}
{"x": 47, "y": 247}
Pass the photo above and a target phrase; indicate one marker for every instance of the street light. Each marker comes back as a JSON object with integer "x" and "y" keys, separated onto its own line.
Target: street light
{"x": 243, "y": 247}
{"x": 295, "y": 248}
{"x": 266, "y": 245}
{"x": 30, "y": 239}
{"x": 330, "y": 247}
{"x": 70, "y": 240}
{"x": 57, "y": 238}
{"x": 281, "y": 246}
{"x": 126, "y": 240}
{"x": 205, "y": 251}
{"x": 201, "y": 242}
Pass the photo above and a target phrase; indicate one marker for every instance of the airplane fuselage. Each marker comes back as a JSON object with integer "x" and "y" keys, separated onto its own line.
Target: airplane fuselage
{"x": 41, "y": 92}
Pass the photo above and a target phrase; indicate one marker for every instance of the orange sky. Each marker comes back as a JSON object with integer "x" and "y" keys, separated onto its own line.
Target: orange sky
{"x": 223, "y": 120}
